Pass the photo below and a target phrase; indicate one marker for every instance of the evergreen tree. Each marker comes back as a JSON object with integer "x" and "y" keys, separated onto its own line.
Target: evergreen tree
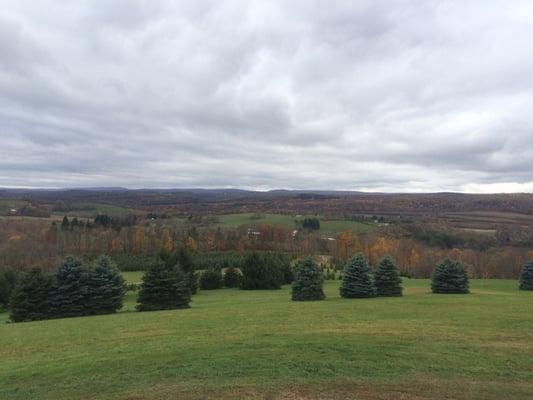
{"x": 387, "y": 278}
{"x": 526, "y": 277}
{"x": 106, "y": 288}
{"x": 449, "y": 277}
{"x": 65, "y": 224}
{"x": 284, "y": 263}
{"x": 163, "y": 288}
{"x": 261, "y": 271}
{"x": 308, "y": 282}
{"x": 211, "y": 279}
{"x": 187, "y": 266}
{"x": 356, "y": 279}
{"x": 8, "y": 281}
{"x": 185, "y": 261}
{"x": 181, "y": 258}
{"x": 232, "y": 277}
{"x": 30, "y": 300}
{"x": 71, "y": 291}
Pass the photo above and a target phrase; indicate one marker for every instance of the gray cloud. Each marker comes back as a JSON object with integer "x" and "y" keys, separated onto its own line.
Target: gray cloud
{"x": 377, "y": 95}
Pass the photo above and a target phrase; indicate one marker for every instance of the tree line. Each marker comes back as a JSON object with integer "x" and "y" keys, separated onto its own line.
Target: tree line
{"x": 170, "y": 281}
{"x": 25, "y": 242}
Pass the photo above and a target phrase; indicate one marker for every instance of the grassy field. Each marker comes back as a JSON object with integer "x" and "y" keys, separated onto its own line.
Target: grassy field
{"x": 328, "y": 227}
{"x": 133, "y": 276}
{"x": 99, "y": 208}
{"x": 239, "y": 344}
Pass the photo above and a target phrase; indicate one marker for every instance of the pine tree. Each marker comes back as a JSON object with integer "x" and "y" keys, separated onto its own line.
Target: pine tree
{"x": 71, "y": 291}
{"x": 308, "y": 282}
{"x": 449, "y": 277}
{"x": 163, "y": 288}
{"x": 232, "y": 277}
{"x": 65, "y": 224}
{"x": 8, "y": 282}
{"x": 356, "y": 279}
{"x": 211, "y": 279}
{"x": 387, "y": 278}
{"x": 187, "y": 266}
{"x": 526, "y": 277}
{"x": 30, "y": 300}
{"x": 261, "y": 271}
{"x": 106, "y": 288}
{"x": 185, "y": 261}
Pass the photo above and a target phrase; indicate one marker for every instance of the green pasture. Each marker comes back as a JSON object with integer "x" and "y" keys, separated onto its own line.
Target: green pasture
{"x": 329, "y": 227}
{"x": 235, "y": 344}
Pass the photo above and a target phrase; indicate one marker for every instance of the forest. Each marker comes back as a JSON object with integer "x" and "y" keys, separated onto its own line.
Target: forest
{"x": 490, "y": 234}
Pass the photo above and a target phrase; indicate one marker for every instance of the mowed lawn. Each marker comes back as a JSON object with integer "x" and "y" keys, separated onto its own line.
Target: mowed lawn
{"x": 245, "y": 345}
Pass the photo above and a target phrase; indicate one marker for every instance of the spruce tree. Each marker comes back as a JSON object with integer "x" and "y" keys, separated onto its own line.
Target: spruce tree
{"x": 526, "y": 277}
{"x": 163, "y": 288}
{"x": 261, "y": 271}
{"x": 211, "y": 279}
{"x": 30, "y": 300}
{"x": 387, "y": 278}
{"x": 308, "y": 282}
{"x": 8, "y": 281}
{"x": 187, "y": 266}
{"x": 356, "y": 279}
{"x": 232, "y": 277}
{"x": 71, "y": 290}
{"x": 183, "y": 260}
{"x": 106, "y": 287}
{"x": 449, "y": 277}
{"x": 65, "y": 224}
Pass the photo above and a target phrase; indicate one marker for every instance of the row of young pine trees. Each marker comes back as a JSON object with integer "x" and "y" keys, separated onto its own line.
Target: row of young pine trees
{"x": 78, "y": 290}
{"x": 359, "y": 282}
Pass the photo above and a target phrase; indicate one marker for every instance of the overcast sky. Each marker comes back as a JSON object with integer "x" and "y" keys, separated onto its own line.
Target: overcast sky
{"x": 377, "y": 95}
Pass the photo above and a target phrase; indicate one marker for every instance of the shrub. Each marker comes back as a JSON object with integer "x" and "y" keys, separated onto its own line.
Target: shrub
{"x": 387, "y": 278}
{"x": 232, "y": 277}
{"x": 308, "y": 281}
{"x": 329, "y": 274}
{"x": 106, "y": 288}
{"x": 284, "y": 263}
{"x": 217, "y": 259}
{"x": 186, "y": 264}
{"x": 132, "y": 262}
{"x": 356, "y": 280}
{"x": 192, "y": 281}
{"x": 30, "y": 300}
{"x": 526, "y": 277}
{"x": 133, "y": 287}
{"x": 163, "y": 288}
{"x": 449, "y": 277}
{"x": 185, "y": 261}
{"x": 261, "y": 271}
{"x": 211, "y": 279}
{"x": 8, "y": 281}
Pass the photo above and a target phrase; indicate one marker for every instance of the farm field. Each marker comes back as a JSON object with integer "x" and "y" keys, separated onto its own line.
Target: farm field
{"x": 258, "y": 344}
{"x": 229, "y": 221}
{"x": 99, "y": 208}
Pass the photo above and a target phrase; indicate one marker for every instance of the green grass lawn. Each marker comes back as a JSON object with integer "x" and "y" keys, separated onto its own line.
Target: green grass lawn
{"x": 257, "y": 344}
{"x": 329, "y": 227}
{"x": 133, "y": 276}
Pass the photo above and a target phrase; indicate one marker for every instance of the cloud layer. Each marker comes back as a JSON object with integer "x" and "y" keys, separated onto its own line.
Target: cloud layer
{"x": 377, "y": 95}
